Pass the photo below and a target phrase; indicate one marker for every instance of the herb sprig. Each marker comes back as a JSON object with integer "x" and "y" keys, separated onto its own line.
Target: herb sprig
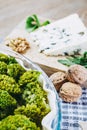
{"x": 81, "y": 60}
{"x": 32, "y": 23}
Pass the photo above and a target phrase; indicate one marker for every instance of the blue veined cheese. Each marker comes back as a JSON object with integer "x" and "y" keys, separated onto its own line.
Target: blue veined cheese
{"x": 60, "y": 37}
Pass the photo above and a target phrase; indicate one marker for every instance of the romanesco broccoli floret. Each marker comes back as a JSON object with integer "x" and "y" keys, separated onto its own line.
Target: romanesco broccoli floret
{"x": 4, "y": 58}
{"x": 3, "y": 67}
{"x": 28, "y": 76}
{"x": 12, "y": 60}
{"x": 17, "y": 122}
{"x": 35, "y": 95}
{"x": 7, "y": 104}
{"x": 7, "y": 59}
{"x": 9, "y": 84}
{"x": 33, "y": 112}
{"x": 15, "y": 70}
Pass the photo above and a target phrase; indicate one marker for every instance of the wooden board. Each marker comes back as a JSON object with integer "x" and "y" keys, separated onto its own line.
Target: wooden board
{"x": 47, "y": 63}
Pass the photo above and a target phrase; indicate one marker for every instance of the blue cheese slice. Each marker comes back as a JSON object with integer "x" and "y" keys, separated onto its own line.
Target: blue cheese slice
{"x": 61, "y": 37}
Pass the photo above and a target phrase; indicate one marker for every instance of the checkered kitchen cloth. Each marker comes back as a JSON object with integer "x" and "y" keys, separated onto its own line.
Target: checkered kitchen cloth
{"x": 72, "y": 113}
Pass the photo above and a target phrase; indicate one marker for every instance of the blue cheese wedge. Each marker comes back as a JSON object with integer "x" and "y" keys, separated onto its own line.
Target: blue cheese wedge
{"x": 63, "y": 36}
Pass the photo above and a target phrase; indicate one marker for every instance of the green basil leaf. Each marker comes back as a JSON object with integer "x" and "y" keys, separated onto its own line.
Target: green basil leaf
{"x": 66, "y": 62}
{"x": 81, "y": 60}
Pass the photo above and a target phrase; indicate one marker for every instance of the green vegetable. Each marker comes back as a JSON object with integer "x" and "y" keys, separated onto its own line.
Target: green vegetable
{"x": 7, "y": 59}
{"x": 34, "y": 93}
{"x": 37, "y": 97}
{"x": 12, "y": 60}
{"x": 32, "y": 23}
{"x": 20, "y": 93}
{"x": 28, "y": 76}
{"x": 3, "y": 68}
{"x": 33, "y": 112}
{"x": 17, "y": 122}
{"x": 15, "y": 70}
{"x": 9, "y": 84}
{"x": 4, "y": 57}
{"x": 7, "y": 104}
{"x": 81, "y": 60}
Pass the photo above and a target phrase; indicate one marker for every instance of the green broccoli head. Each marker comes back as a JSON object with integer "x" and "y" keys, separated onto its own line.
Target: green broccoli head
{"x": 3, "y": 68}
{"x": 34, "y": 94}
{"x": 24, "y": 86}
{"x": 15, "y": 70}
{"x": 17, "y": 122}
{"x": 9, "y": 84}
{"x": 33, "y": 112}
{"x": 11, "y": 60}
{"x": 7, "y": 104}
{"x": 7, "y": 59}
{"x": 4, "y": 58}
{"x": 37, "y": 99}
{"x": 28, "y": 76}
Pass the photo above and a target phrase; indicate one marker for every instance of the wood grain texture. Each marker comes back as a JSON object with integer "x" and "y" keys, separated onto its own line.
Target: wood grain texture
{"x": 13, "y": 11}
